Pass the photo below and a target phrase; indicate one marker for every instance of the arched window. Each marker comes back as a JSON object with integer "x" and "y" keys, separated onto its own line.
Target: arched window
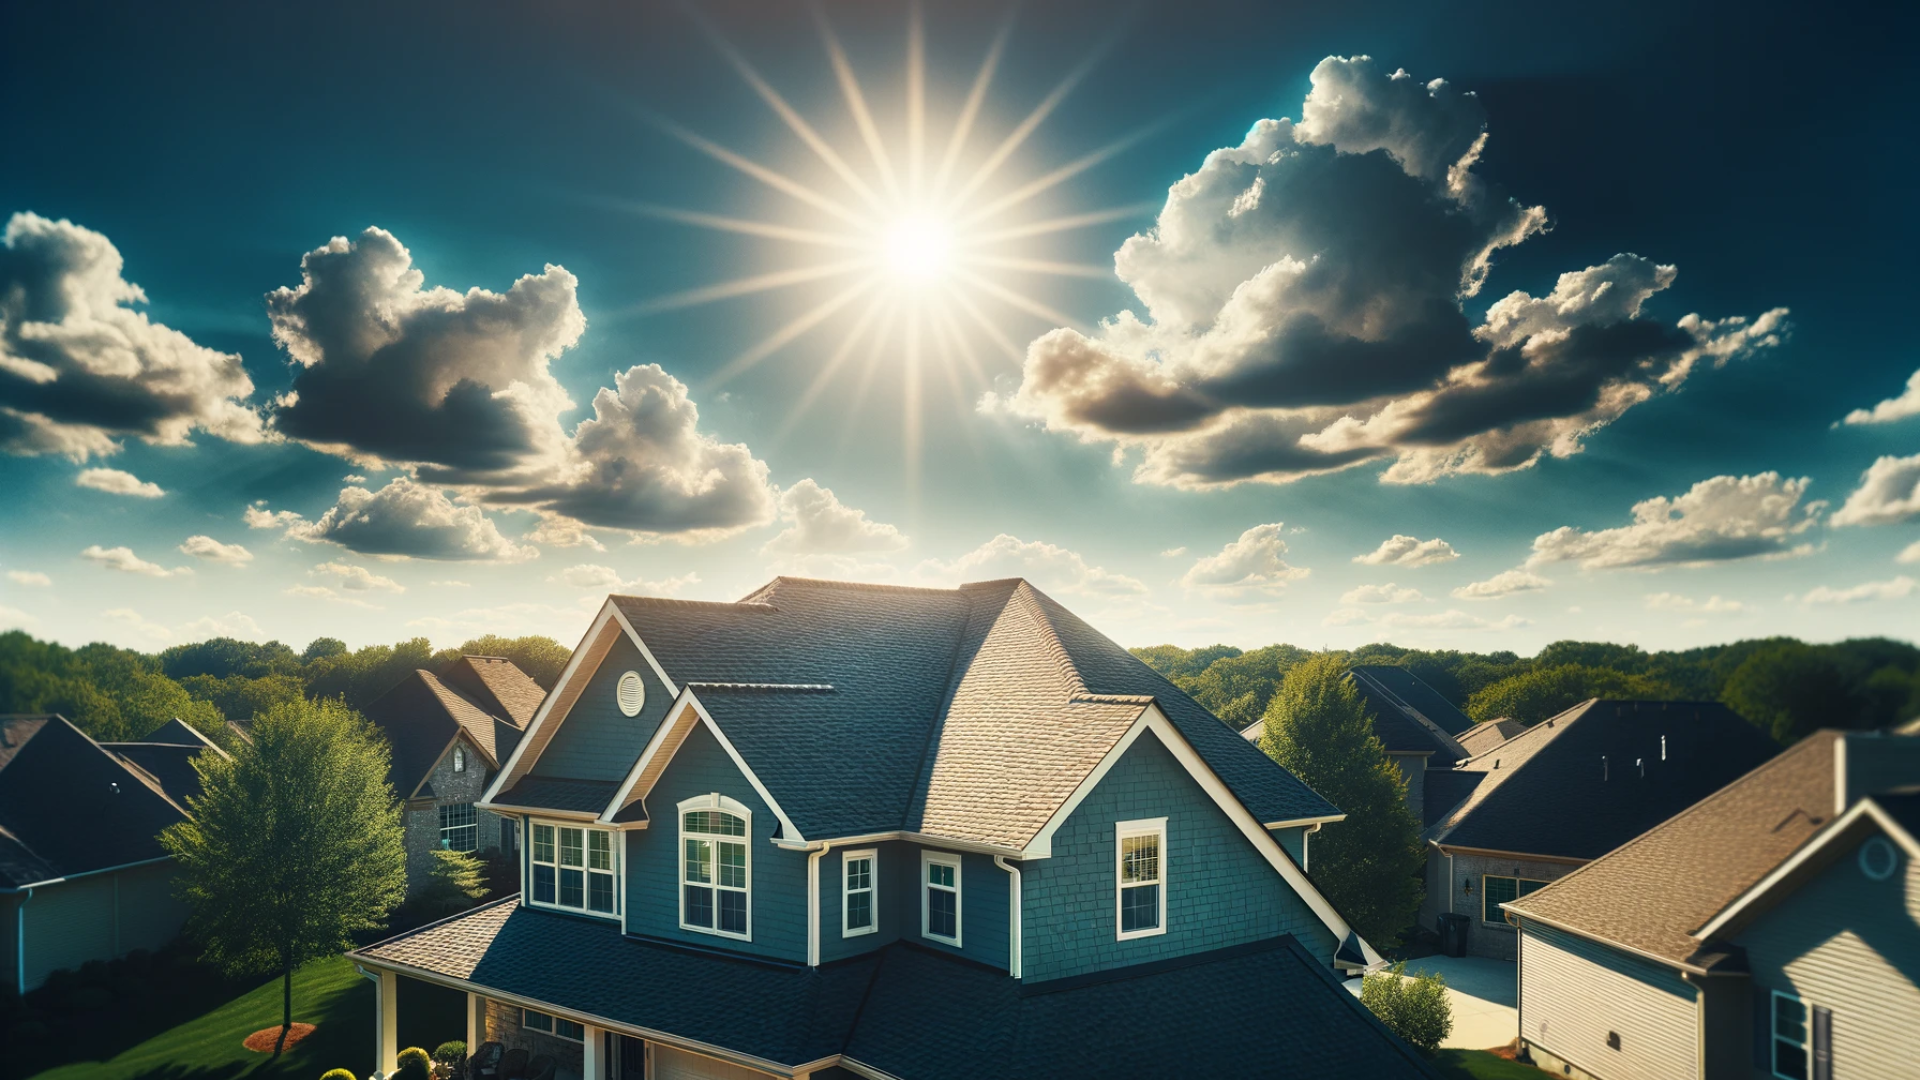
{"x": 459, "y": 759}
{"x": 715, "y": 868}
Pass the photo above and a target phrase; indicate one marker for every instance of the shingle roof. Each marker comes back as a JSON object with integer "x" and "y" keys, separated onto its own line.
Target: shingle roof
{"x": 169, "y": 766}
{"x": 1408, "y": 691}
{"x": 1583, "y": 783}
{"x": 420, "y": 716}
{"x": 1655, "y": 891}
{"x": 69, "y": 807}
{"x": 926, "y": 1016}
{"x": 497, "y": 686}
{"x": 971, "y": 713}
{"x": 553, "y": 793}
{"x": 1488, "y": 734}
{"x": 178, "y": 732}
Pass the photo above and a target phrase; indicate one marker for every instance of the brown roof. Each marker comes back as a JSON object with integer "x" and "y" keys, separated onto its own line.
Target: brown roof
{"x": 1488, "y": 734}
{"x": 497, "y": 685}
{"x": 1655, "y": 891}
{"x": 420, "y": 716}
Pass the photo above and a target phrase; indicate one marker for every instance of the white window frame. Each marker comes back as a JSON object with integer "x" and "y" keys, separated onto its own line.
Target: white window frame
{"x": 552, "y": 1030}
{"x": 1774, "y": 1038}
{"x": 872, "y": 857}
{"x": 440, "y": 816}
{"x": 712, "y": 801}
{"x": 1123, "y": 831}
{"x": 587, "y": 871}
{"x": 940, "y": 858}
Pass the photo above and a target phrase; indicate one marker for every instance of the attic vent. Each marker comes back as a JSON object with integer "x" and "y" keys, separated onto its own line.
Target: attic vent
{"x": 631, "y": 693}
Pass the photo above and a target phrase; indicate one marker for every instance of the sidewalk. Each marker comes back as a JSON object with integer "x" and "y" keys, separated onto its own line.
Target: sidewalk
{"x": 1482, "y": 992}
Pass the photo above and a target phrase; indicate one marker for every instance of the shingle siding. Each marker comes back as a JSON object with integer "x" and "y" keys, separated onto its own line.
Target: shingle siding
{"x": 597, "y": 741}
{"x": 1574, "y": 992}
{"x": 1852, "y": 945}
{"x": 983, "y": 905}
{"x": 777, "y": 903}
{"x": 1220, "y": 890}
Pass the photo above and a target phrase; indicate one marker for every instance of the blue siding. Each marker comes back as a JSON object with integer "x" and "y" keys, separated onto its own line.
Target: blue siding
{"x": 597, "y": 741}
{"x": 778, "y": 900}
{"x": 1220, "y": 890}
{"x": 891, "y": 855}
{"x": 1293, "y": 840}
{"x": 983, "y": 905}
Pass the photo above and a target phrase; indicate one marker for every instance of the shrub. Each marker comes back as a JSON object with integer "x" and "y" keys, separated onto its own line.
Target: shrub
{"x": 453, "y": 1050}
{"x": 413, "y": 1055}
{"x": 336, "y": 1074}
{"x": 1414, "y": 1007}
{"x": 412, "y": 1070}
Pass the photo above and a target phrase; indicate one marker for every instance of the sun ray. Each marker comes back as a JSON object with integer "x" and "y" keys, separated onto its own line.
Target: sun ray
{"x": 1013, "y": 299}
{"x": 910, "y": 406}
{"x": 856, "y": 102}
{"x": 722, "y": 223}
{"x": 1063, "y": 173}
{"x": 1033, "y": 120}
{"x": 867, "y": 372}
{"x": 970, "y": 110}
{"x": 825, "y": 375}
{"x": 761, "y": 173}
{"x": 1044, "y": 266}
{"x": 799, "y": 325}
{"x": 950, "y": 330}
{"x": 1060, "y": 224}
{"x": 987, "y": 326}
{"x": 726, "y": 290}
{"x": 916, "y": 98}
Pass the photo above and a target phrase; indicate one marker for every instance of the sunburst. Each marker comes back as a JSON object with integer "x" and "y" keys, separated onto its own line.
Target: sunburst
{"x": 924, "y": 247}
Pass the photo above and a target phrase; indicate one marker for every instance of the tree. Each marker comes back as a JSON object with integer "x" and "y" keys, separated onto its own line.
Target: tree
{"x": 1535, "y": 695}
{"x": 1790, "y": 690}
{"x": 1318, "y": 727}
{"x": 542, "y": 658}
{"x": 294, "y": 844}
{"x": 1414, "y": 1007}
{"x": 453, "y": 883}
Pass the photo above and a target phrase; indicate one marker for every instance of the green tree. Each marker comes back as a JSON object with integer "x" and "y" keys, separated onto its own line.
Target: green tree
{"x": 542, "y": 658}
{"x": 322, "y": 647}
{"x": 1237, "y": 688}
{"x": 1790, "y": 690}
{"x": 1177, "y": 663}
{"x": 294, "y": 844}
{"x": 1535, "y": 695}
{"x": 1414, "y": 1007}
{"x": 240, "y": 698}
{"x": 454, "y": 883}
{"x": 1318, "y": 727}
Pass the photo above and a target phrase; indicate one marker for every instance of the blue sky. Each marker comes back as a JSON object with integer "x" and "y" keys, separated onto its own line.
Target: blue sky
{"x": 1220, "y": 319}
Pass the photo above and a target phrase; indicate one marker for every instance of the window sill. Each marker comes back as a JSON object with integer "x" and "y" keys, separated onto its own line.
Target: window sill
{"x": 1130, "y": 935}
{"x": 562, "y": 909}
{"x": 953, "y": 943}
{"x": 710, "y": 932}
{"x": 863, "y": 932}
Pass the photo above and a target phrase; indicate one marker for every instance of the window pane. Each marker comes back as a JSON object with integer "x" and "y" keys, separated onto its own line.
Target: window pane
{"x": 543, "y": 884}
{"x": 860, "y": 874}
{"x": 733, "y": 912}
{"x": 567, "y": 1029}
{"x": 1531, "y": 887}
{"x": 538, "y": 1021}
{"x": 1139, "y": 908}
{"x": 543, "y": 843}
{"x": 733, "y": 865}
{"x": 700, "y": 861}
{"x": 1499, "y": 891}
{"x": 570, "y": 848}
{"x": 600, "y": 892}
{"x": 572, "y": 891}
{"x": 599, "y": 851}
{"x": 940, "y": 874}
{"x": 942, "y": 913}
{"x": 715, "y": 821}
{"x": 1790, "y": 1060}
{"x": 1790, "y": 1019}
{"x": 1140, "y": 858}
{"x": 859, "y": 910}
{"x": 699, "y": 901}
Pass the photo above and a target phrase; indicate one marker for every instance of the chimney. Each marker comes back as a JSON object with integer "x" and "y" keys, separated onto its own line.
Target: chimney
{"x": 1603, "y": 766}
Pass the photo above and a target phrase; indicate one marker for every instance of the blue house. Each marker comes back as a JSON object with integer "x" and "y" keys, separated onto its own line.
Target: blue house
{"x": 837, "y": 830}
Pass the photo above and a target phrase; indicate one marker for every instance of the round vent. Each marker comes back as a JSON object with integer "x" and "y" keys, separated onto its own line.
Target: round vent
{"x": 631, "y": 694}
{"x": 1878, "y": 860}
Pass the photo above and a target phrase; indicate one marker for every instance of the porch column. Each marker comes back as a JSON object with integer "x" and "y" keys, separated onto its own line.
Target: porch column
{"x": 591, "y": 1067}
{"x": 476, "y": 1022}
{"x": 386, "y": 1024}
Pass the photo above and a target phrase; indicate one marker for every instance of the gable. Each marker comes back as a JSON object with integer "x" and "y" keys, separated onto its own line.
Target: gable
{"x": 595, "y": 740}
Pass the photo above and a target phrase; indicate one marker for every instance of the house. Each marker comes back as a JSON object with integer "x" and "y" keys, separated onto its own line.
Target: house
{"x": 1566, "y": 791}
{"x": 1770, "y": 931}
{"x": 836, "y": 830}
{"x": 449, "y": 733}
{"x": 82, "y": 873}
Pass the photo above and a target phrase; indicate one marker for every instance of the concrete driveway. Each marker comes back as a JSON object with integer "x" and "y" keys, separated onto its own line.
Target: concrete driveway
{"x": 1483, "y": 995}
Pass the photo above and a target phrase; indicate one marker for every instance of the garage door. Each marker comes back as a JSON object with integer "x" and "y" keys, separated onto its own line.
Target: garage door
{"x": 671, "y": 1064}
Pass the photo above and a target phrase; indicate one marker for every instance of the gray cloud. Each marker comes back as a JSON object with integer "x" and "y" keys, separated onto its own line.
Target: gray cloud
{"x": 405, "y": 519}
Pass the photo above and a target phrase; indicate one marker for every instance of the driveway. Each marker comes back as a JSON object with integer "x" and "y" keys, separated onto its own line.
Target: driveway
{"x": 1482, "y": 992}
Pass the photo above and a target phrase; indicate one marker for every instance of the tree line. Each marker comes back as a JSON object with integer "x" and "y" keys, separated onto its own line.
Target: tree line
{"x": 1787, "y": 687}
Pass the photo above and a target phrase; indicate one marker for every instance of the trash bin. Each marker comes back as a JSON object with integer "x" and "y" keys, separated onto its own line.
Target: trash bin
{"x": 1453, "y": 933}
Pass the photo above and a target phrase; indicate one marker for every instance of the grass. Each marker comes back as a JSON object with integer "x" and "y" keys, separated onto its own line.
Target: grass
{"x": 1480, "y": 1065}
{"x": 329, "y": 994}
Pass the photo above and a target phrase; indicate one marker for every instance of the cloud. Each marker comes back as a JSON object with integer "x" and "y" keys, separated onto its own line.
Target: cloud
{"x": 1381, "y": 594}
{"x": 124, "y": 560}
{"x": 354, "y": 478}
{"x": 356, "y": 578}
{"x": 1305, "y": 299}
{"x": 116, "y": 482}
{"x": 450, "y": 584}
{"x": 563, "y": 532}
{"x": 405, "y": 519}
{"x": 1173, "y": 552}
{"x": 818, "y": 523}
{"x": 206, "y": 547}
{"x": 1712, "y": 605}
{"x": 30, "y": 578}
{"x": 138, "y": 623}
{"x": 1503, "y": 584}
{"x": 590, "y": 576}
{"x": 1249, "y": 566}
{"x": 12, "y": 618}
{"x": 1718, "y": 520}
{"x": 1910, "y": 554}
{"x": 80, "y": 369}
{"x": 1889, "y": 492}
{"x": 1893, "y": 408}
{"x": 1052, "y": 568}
{"x": 233, "y": 624}
{"x": 1346, "y": 617}
{"x": 1409, "y": 551}
{"x": 1898, "y": 588}
{"x": 1449, "y": 620}
{"x": 322, "y": 592}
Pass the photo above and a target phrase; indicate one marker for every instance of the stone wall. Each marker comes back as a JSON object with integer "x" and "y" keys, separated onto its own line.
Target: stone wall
{"x": 503, "y": 1026}
{"x": 420, "y": 818}
{"x": 1495, "y": 940}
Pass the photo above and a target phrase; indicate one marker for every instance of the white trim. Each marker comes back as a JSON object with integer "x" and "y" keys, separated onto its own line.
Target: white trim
{"x": 587, "y": 872}
{"x": 972, "y": 847}
{"x": 658, "y": 671}
{"x": 872, "y": 855}
{"x": 1812, "y": 847}
{"x": 1152, "y": 719}
{"x": 712, "y": 802}
{"x": 1122, "y": 832}
{"x": 1014, "y": 900}
{"x": 791, "y": 835}
{"x": 940, "y": 858}
{"x": 1773, "y": 1033}
{"x": 647, "y": 754}
{"x": 1305, "y": 822}
{"x": 639, "y": 683}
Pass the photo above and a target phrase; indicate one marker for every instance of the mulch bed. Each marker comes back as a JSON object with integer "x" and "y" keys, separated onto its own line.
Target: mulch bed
{"x": 264, "y": 1040}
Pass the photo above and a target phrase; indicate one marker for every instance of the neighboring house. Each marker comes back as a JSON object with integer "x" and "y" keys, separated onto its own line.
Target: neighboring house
{"x": 1566, "y": 791}
{"x": 837, "y": 830}
{"x": 82, "y": 873}
{"x": 1771, "y": 931}
{"x": 449, "y": 734}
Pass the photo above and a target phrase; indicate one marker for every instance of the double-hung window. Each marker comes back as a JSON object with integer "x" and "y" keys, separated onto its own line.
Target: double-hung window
{"x": 859, "y": 890}
{"x": 1140, "y": 877}
{"x": 576, "y": 867}
{"x": 940, "y": 897}
{"x": 459, "y": 827}
{"x": 715, "y": 874}
{"x": 1495, "y": 891}
{"x": 558, "y": 1026}
{"x": 1789, "y": 1037}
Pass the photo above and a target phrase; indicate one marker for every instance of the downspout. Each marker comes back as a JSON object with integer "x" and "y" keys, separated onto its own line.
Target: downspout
{"x": 1310, "y": 830}
{"x": 813, "y": 902}
{"x": 20, "y": 942}
{"x": 1013, "y": 914}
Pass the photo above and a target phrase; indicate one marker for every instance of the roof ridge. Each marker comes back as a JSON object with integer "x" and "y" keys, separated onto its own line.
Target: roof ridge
{"x": 1545, "y": 725}
{"x": 745, "y": 604}
{"x": 837, "y": 583}
{"x": 766, "y": 686}
{"x": 1028, "y": 598}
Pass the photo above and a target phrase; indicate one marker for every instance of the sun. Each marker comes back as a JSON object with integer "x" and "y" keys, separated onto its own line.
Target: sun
{"x": 926, "y": 244}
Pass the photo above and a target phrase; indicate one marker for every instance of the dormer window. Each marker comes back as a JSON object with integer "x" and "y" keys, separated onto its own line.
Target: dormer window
{"x": 459, "y": 759}
{"x": 715, "y": 867}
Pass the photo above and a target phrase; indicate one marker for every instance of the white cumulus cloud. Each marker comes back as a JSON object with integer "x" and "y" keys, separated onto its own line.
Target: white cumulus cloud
{"x": 405, "y": 519}
{"x": 117, "y": 482}
{"x": 1894, "y": 408}
{"x": 1899, "y": 588}
{"x": 1722, "y": 519}
{"x": 1909, "y": 554}
{"x": 1408, "y": 551}
{"x": 1381, "y": 594}
{"x": 138, "y": 623}
{"x": 1052, "y": 568}
{"x": 1251, "y": 565}
{"x": 206, "y": 547}
{"x": 124, "y": 560}
{"x": 1712, "y": 605}
{"x": 30, "y": 578}
{"x": 1449, "y": 620}
{"x": 1503, "y": 584}
{"x": 356, "y": 578}
{"x": 1889, "y": 492}
{"x": 818, "y": 523}
{"x": 233, "y": 624}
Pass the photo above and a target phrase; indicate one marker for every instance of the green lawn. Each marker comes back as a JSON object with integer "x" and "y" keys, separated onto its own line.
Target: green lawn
{"x": 328, "y": 994}
{"x": 1480, "y": 1065}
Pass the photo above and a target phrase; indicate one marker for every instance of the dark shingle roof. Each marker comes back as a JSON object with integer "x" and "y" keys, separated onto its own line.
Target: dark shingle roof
{"x": 925, "y": 1016}
{"x": 1553, "y": 795}
{"x": 168, "y": 765}
{"x": 970, "y": 713}
{"x": 69, "y": 807}
{"x": 1403, "y": 707}
{"x": 421, "y": 714}
{"x": 1411, "y": 692}
{"x": 1488, "y": 734}
{"x": 552, "y": 793}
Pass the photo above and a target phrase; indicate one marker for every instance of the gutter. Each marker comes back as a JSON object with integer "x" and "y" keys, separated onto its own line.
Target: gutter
{"x": 32, "y": 885}
{"x": 944, "y": 843}
{"x": 20, "y": 943}
{"x": 1678, "y": 965}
